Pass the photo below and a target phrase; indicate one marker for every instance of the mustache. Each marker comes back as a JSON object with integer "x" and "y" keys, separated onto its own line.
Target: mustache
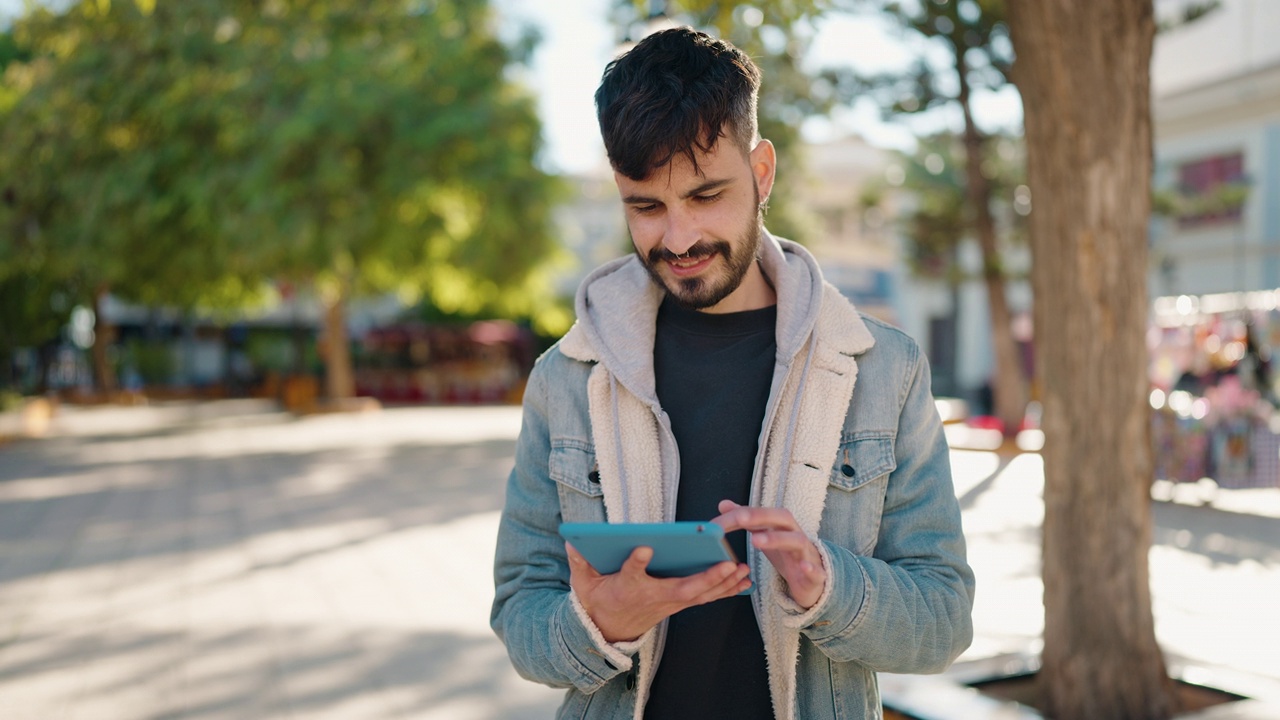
{"x": 698, "y": 251}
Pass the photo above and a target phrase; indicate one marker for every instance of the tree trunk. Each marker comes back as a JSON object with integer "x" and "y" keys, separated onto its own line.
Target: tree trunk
{"x": 339, "y": 379}
{"x": 1083, "y": 71}
{"x": 104, "y": 378}
{"x": 1009, "y": 384}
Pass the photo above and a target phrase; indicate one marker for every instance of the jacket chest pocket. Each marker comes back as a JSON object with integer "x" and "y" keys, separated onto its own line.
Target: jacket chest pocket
{"x": 855, "y": 493}
{"x": 572, "y": 465}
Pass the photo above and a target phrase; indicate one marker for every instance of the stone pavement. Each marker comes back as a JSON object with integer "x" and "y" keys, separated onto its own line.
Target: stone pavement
{"x": 229, "y": 561}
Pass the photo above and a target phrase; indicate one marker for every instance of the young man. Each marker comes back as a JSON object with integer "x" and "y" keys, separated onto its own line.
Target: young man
{"x": 712, "y": 377}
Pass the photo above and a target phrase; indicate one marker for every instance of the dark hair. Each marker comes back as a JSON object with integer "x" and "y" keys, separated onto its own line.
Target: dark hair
{"x": 675, "y": 91}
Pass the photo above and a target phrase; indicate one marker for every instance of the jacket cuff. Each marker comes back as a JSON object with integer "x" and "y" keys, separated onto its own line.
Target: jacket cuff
{"x": 794, "y": 616}
{"x": 843, "y": 602}
{"x": 616, "y": 657}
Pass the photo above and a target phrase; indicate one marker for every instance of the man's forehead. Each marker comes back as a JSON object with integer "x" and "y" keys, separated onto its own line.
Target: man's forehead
{"x": 681, "y": 172}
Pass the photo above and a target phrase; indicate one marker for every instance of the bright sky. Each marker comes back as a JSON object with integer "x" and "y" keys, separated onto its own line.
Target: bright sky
{"x": 577, "y": 42}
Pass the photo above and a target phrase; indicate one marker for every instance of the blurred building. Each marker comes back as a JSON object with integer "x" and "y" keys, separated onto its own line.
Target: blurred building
{"x": 1216, "y": 110}
{"x": 856, "y": 246}
{"x": 591, "y": 226}
{"x": 863, "y": 253}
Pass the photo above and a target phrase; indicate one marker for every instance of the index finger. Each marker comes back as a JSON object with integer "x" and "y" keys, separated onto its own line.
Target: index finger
{"x": 756, "y": 518}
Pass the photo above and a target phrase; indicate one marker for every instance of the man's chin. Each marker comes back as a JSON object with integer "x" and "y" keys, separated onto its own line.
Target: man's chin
{"x": 694, "y": 293}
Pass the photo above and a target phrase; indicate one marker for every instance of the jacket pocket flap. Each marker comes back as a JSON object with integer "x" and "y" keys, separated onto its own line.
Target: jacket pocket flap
{"x": 574, "y": 465}
{"x": 862, "y": 460}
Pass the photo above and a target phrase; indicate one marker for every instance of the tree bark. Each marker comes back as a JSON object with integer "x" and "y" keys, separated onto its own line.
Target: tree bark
{"x": 1009, "y": 384}
{"x": 339, "y": 379}
{"x": 1083, "y": 71}
{"x": 104, "y": 378}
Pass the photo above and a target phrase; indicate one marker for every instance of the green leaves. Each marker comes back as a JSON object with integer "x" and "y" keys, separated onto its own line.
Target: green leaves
{"x": 183, "y": 153}
{"x": 940, "y": 216}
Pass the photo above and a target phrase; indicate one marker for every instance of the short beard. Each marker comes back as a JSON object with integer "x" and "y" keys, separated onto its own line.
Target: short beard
{"x": 701, "y": 293}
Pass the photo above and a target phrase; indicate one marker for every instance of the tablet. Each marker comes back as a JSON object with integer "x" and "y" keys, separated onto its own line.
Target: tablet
{"x": 679, "y": 548}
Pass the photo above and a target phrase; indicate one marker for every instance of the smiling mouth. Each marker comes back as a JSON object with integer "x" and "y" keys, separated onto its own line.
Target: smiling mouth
{"x": 689, "y": 266}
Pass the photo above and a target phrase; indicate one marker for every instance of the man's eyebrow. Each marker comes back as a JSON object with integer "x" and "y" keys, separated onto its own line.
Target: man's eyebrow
{"x": 705, "y": 187}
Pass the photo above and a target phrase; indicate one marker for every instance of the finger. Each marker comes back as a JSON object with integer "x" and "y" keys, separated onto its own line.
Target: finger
{"x": 638, "y": 562}
{"x": 731, "y": 516}
{"x": 577, "y": 563}
{"x": 755, "y": 519}
{"x": 781, "y": 541}
{"x": 691, "y": 590}
{"x": 731, "y": 585}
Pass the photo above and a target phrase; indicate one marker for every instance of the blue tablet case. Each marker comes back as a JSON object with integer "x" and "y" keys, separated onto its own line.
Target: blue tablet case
{"x": 679, "y": 548}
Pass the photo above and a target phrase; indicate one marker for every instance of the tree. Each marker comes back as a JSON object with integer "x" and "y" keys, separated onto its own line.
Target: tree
{"x": 1083, "y": 71}
{"x": 975, "y": 37}
{"x": 397, "y": 157}
{"x": 188, "y": 152}
{"x": 935, "y": 215}
{"x": 114, "y": 159}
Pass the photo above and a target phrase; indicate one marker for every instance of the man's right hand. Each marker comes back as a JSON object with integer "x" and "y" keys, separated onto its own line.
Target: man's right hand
{"x": 626, "y": 604}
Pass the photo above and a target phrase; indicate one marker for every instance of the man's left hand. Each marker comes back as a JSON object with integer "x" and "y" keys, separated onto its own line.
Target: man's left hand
{"x": 775, "y": 532}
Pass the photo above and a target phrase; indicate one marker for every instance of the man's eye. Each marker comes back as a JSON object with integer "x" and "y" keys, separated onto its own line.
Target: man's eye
{"x": 644, "y": 209}
{"x": 707, "y": 198}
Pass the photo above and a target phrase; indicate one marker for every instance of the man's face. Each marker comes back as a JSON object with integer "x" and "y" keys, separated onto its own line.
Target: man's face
{"x": 698, "y": 233}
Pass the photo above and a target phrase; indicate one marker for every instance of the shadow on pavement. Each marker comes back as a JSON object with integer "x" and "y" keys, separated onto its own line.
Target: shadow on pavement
{"x": 1222, "y": 536}
{"x": 399, "y": 487}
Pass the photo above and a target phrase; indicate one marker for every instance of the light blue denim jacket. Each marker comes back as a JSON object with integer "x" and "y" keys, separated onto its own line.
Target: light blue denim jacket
{"x": 866, "y": 473}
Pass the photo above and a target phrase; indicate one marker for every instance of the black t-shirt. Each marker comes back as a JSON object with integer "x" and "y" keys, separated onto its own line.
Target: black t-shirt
{"x": 713, "y": 373}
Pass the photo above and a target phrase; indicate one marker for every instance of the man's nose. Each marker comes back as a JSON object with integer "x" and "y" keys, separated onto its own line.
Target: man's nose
{"x": 682, "y": 232}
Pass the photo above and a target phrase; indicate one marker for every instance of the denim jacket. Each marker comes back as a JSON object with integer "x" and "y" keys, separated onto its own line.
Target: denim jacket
{"x": 866, "y": 474}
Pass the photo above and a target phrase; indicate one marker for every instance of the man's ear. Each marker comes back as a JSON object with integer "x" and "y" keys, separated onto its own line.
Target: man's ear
{"x": 764, "y": 163}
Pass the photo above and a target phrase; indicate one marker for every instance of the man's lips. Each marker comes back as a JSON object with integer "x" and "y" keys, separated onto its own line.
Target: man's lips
{"x": 692, "y": 266}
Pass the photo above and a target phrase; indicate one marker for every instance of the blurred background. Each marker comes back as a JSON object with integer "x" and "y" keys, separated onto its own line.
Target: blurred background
{"x": 232, "y": 231}
{"x": 396, "y": 201}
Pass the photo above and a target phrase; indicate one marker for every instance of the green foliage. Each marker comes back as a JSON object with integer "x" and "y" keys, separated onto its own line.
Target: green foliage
{"x": 1223, "y": 201}
{"x": 153, "y": 361}
{"x": 938, "y": 216}
{"x": 9, "y": 400}
{"x": 114, "y": 136}
{"x": 1188, "y": 13}
{"x": 33, "y": 309}
{"x": 10, "y": 51}
{"x": 183, "y": 153}
{"x": 975, "y": 35}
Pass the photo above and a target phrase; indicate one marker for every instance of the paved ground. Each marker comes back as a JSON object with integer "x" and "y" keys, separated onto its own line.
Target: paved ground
{"x": 227, "y": 561}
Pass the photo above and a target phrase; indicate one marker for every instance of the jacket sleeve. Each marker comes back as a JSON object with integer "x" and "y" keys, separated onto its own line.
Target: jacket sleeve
{"x": 908, "y": 608}
{"x": 534, "y": 613}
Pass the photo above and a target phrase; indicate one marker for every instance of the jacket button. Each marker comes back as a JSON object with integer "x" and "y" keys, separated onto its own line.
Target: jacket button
{"x": 846, "y": 470}
{"x": 594, "y": 476}
{"x": 631, "y": 681}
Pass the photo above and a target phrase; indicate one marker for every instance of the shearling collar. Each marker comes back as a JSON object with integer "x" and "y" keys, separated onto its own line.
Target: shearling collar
{"x": 617, "y": 309}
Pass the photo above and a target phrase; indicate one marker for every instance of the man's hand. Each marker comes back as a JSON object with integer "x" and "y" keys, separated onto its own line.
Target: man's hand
{"x": 775, "y": 532}
{"x": 626, "y": 604}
